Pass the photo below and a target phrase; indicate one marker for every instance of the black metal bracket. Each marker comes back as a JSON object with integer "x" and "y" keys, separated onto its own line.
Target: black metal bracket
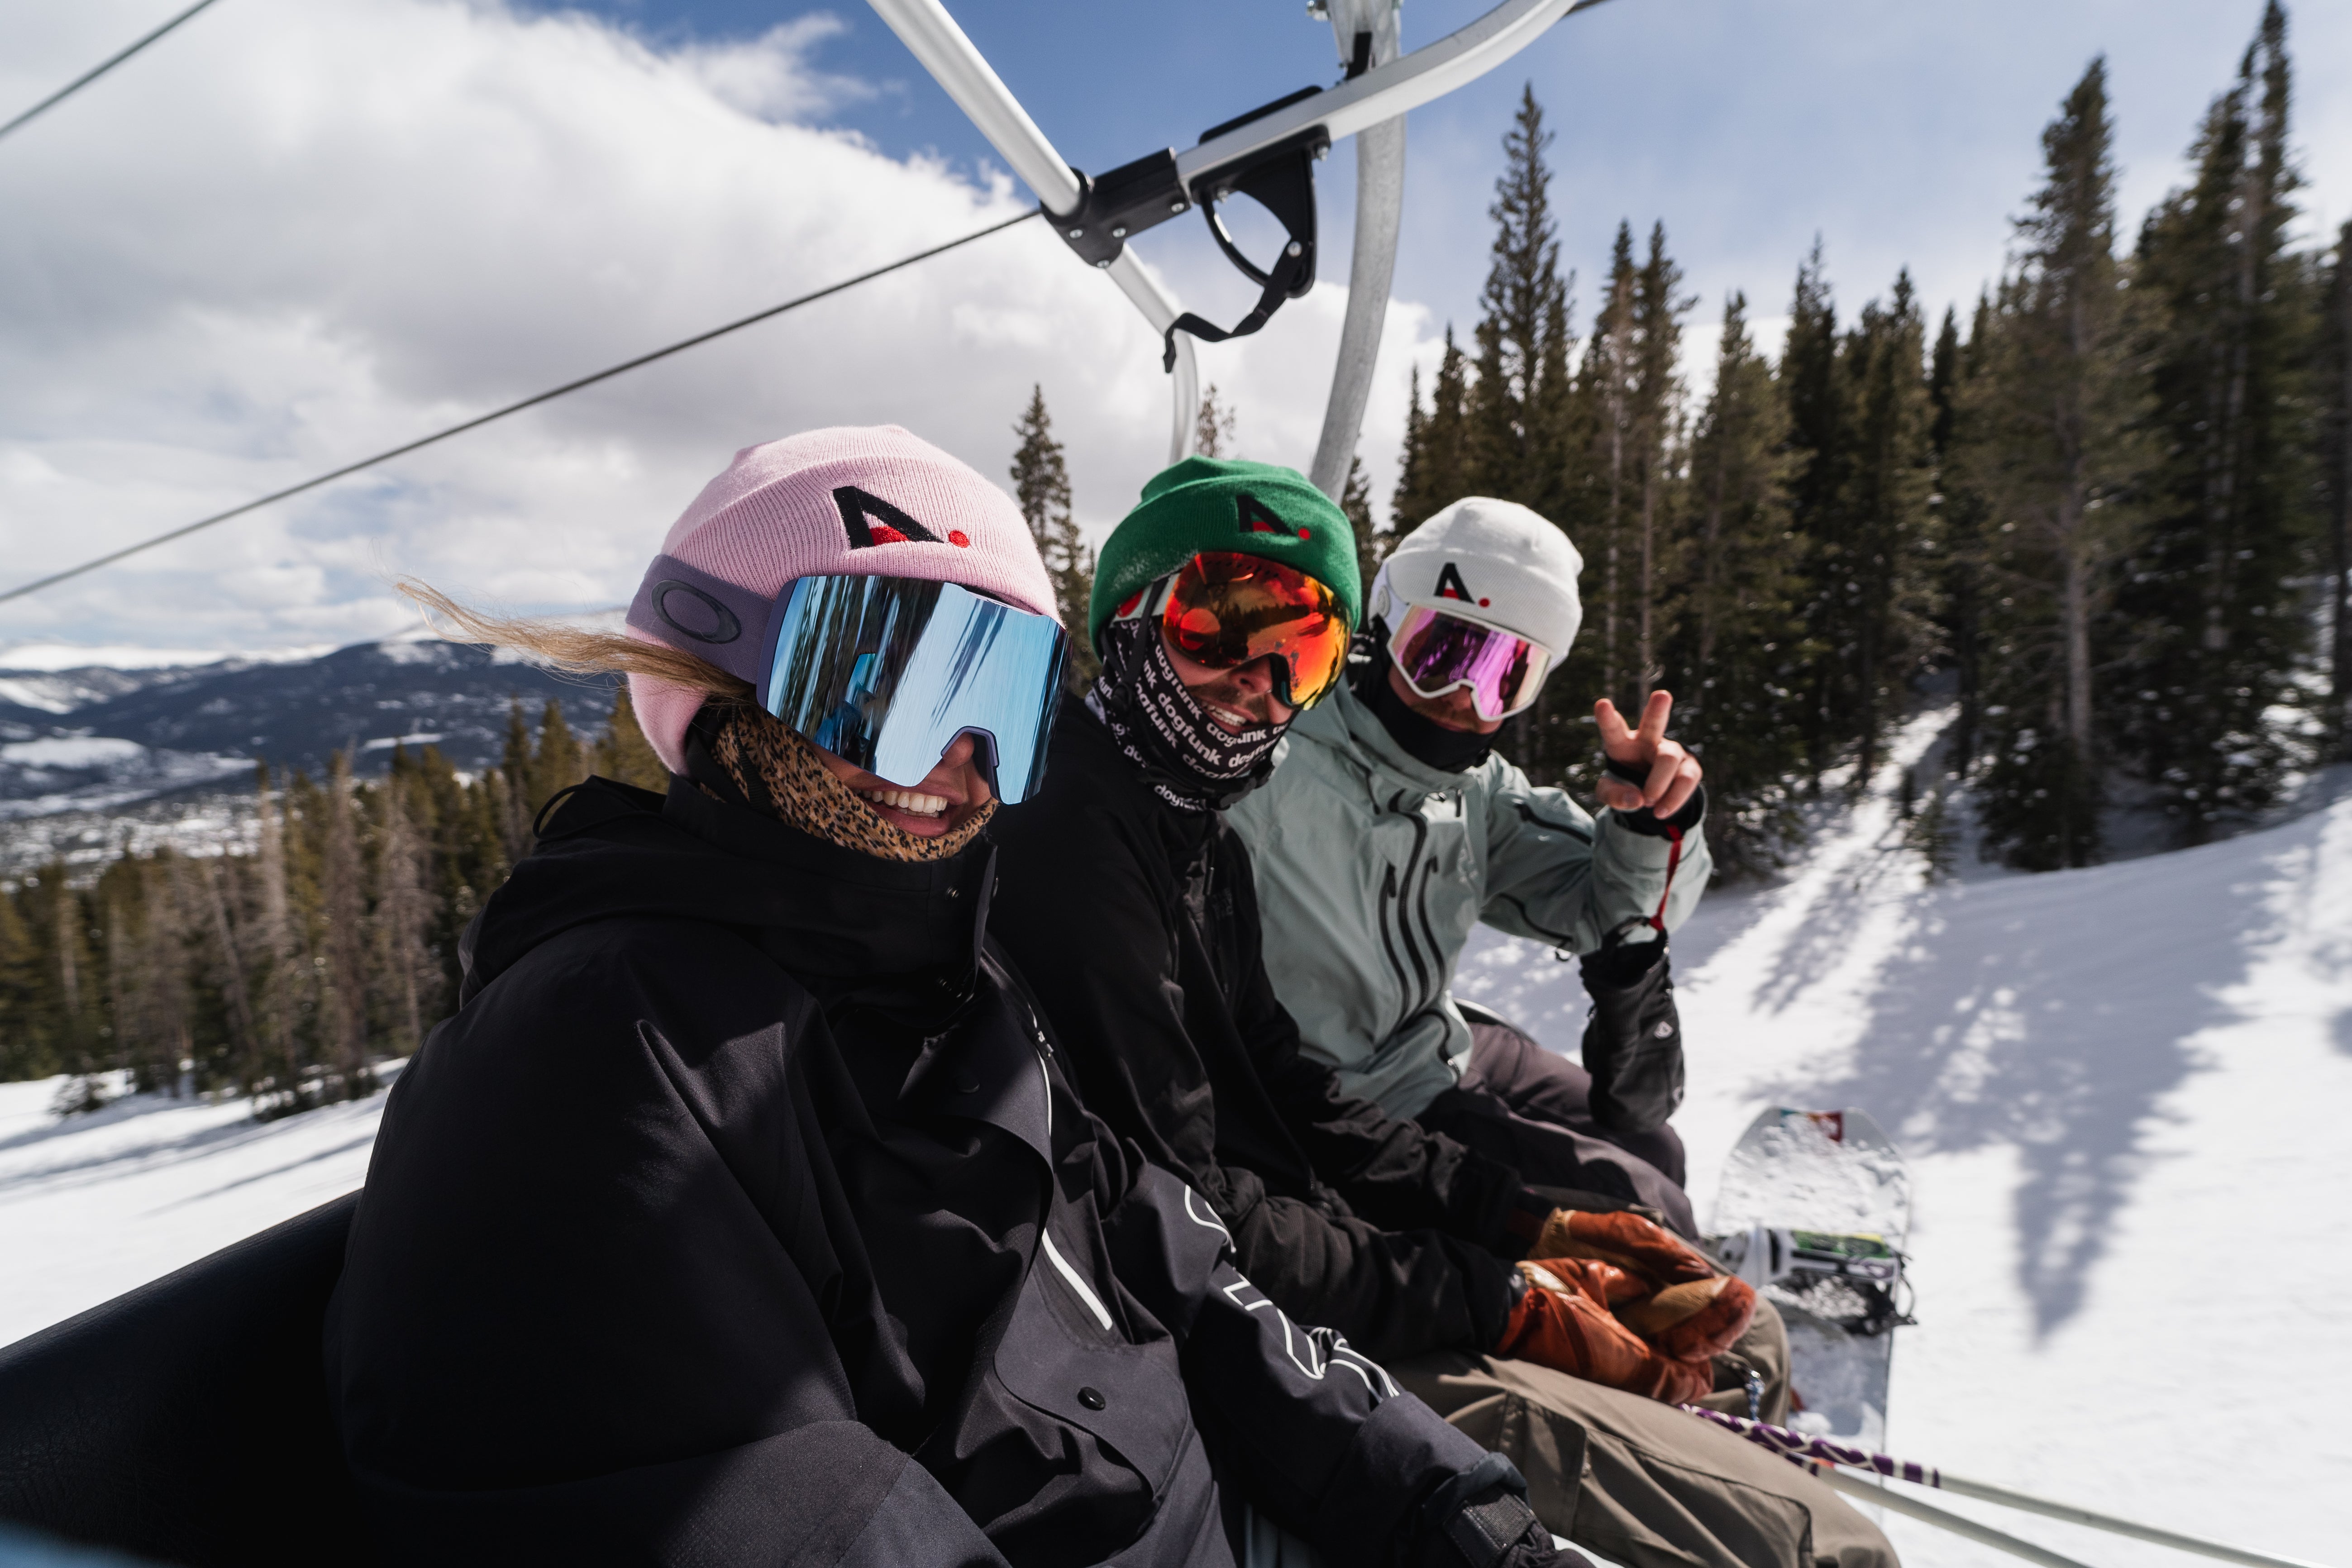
{"x": 1124, "y": 201}
{"x": 1281, "y": 179}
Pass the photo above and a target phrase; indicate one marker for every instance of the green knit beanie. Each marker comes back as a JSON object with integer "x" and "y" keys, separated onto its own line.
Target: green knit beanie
{"x": 1223, "y": 503}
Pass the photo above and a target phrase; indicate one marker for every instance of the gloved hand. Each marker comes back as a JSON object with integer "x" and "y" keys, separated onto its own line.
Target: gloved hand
{"x": 1675, "y": 1298}
{"x": 1480, "y": 1519}
{"x": 1562, "y": 1320}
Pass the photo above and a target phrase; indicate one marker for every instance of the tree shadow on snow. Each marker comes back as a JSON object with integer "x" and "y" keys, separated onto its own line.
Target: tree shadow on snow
{"x": 2052, "y": 1013}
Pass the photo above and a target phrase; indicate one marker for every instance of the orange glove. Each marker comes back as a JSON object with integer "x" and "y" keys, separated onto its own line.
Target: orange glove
{"x": 1627, "y": 1240}
{"x": 1693, "y": 1313}
{"x": 1558, "y": 1324}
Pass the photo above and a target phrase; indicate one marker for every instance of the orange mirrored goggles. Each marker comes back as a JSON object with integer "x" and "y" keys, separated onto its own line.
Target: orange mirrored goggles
{"x": 1225, "y": 609}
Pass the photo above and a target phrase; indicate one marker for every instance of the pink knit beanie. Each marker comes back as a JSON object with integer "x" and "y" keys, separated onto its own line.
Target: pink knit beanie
{"x": 850, "y": 501}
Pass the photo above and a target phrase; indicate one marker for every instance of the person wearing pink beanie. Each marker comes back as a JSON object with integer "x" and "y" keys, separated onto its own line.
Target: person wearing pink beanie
{"x": 745, "y": 1212}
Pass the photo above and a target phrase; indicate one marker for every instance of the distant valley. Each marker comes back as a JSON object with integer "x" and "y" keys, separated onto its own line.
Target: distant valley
{"x": 98, "y": 756}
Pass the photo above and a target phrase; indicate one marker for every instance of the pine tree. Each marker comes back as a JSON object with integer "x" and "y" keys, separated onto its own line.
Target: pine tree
{"x": 70, "y": 1013}
{"x": 1875, "y": 594}
{"x": 623, "y": 754}
{"x": 1656, "y": 411}
{"x": 25, "y": 1050}
{"x": 1516, "y": 402}
{"x": 1372, "y": 542}
{"x": 2334, "y": 388}
{"x": 1213, "y": 431}
{"x": 1612, "y": 372}
{"x": 344, "y": 910}
{"x": 1810, "y": 390}
{"x": 1962, "y": 523}
{"x": 406, "y": 981}
{"x": 228, "y": 968}
{"x": 2049, "y": 440}
{"x": 511, "y": 792}
{"x": 1435, "y": 470}
{"x": 1740, "y": 637}
{"x": 1040, "y": 485}
{"x": 556, "y": 763}
{"x": 149, "y": 1014}
{"x": 2211, "y": 596}
{"x": 282, "y": 992}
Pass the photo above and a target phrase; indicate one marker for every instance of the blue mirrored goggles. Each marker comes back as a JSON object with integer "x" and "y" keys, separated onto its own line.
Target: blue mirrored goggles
{"x": 885, "y": 673}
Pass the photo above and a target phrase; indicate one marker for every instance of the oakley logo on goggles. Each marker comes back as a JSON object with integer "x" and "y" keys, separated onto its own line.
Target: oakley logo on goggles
{"x": 1225, "y": 609}
{"x": 1437, "y": 652}
{"x": 884, "y": 672}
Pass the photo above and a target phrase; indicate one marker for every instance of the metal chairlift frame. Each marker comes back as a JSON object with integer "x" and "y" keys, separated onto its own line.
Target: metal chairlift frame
{"x": 1097, "y": 217}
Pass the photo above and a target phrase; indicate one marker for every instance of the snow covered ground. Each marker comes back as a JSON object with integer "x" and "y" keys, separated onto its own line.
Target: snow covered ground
{"x": 94, "y": 1204}
{"x": 2126, "y": 1093}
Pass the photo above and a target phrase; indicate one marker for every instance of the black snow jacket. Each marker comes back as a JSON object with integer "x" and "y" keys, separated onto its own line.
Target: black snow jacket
{"x": 743, "y": 1215}
{"x": 1136, "y": 926}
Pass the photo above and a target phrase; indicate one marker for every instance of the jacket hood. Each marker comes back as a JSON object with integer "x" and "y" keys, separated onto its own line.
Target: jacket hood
{"x": 903, "y": 937}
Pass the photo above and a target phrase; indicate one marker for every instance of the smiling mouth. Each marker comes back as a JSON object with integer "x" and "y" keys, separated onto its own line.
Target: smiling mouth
{"x": 1231, "y": 718}
{"x": 914, "y": 803}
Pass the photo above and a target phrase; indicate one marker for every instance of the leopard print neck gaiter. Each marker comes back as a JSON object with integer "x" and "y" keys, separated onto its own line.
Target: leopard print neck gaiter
{"x": 782, "y": 773}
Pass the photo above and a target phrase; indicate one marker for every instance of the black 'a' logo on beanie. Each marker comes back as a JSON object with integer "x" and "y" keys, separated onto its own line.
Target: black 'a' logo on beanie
{"x": 1257, "y": 519}
{"x": 868, "y": 519}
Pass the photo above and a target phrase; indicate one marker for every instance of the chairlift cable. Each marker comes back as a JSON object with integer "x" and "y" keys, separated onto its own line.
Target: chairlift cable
{"x": 532, "y": 402}
{"x": 100, "y": 69}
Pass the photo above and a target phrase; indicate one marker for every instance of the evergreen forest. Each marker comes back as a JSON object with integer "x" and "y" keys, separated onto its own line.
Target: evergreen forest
{"x": 2105, "y": 516}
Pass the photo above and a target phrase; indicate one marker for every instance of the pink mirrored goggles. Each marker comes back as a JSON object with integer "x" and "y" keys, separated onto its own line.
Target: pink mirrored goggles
{"x": 1437, "y": 652}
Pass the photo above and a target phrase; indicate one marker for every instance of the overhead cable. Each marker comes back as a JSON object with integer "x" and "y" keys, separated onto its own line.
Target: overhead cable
{"x": 531, "y": 402}
{"x": 100, "y": 69}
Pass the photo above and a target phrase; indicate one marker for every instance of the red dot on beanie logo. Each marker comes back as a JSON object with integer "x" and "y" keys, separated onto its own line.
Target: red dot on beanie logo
{"x": 960, "y": 539}
{"x": 1305, "y": 534}
{"x": 1483, "y": 602}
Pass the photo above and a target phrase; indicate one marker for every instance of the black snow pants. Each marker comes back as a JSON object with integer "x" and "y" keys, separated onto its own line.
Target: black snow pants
{"x": 1531, "y": 1109}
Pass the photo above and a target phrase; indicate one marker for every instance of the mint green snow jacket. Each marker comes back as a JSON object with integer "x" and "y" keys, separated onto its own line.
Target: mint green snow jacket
{"x": 1373, "y": 867}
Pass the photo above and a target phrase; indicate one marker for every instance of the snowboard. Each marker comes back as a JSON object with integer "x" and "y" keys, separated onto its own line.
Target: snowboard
{"x": 1813, "y": 1210}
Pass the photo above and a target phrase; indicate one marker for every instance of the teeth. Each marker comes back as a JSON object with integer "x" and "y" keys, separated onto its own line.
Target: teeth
{"x": 913, "y": 801}
{"x": 1231, "y": 716}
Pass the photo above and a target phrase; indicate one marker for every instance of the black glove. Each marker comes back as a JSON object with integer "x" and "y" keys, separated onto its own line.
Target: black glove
{"x": 1481, "y": 1518}
{"x": 1647, "y": 821}
{"x": 1634, "y": 1041}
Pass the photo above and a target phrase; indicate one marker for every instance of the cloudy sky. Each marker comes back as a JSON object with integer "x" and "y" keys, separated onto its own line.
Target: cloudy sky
{"x": 296, "y": 231}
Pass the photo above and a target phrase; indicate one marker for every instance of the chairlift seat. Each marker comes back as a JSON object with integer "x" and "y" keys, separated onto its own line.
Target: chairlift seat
{"x": 187, "y": 1421}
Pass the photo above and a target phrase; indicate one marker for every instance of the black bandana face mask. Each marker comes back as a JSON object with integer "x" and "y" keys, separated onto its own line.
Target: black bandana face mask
{"x": 1191, "y": 761}
{"x": 1423, "y": 739}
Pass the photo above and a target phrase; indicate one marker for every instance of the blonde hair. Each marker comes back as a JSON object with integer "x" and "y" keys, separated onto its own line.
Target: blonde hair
{"x": 574, "y": 649}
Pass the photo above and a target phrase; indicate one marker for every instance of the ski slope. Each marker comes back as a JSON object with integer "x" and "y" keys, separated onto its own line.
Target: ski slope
{"x": 2126, "y": 1094}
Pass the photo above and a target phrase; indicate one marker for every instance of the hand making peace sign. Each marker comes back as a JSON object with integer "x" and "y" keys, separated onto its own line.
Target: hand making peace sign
{"x": 1673, "y": 772}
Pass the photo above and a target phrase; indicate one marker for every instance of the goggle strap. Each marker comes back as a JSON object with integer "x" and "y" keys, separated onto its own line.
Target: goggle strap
{"x": 1148, "y": 603}
{"x": 686, "y": 608}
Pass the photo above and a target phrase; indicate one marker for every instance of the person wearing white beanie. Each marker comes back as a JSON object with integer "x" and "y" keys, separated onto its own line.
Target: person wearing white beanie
{"x": 1389, "y": 831}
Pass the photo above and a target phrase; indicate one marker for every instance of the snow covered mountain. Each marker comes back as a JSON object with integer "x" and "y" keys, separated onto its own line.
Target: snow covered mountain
{"x": 98, "y": 740}
{"x": 2122, "y": 1092}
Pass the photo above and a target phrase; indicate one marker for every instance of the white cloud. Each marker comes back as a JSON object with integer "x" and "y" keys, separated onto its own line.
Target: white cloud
{"x": 772, "y": 77}
{"x": 301, "y": 232}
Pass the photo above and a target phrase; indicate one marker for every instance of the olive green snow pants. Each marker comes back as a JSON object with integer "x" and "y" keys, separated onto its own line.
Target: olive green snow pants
{"x": 1639, "y": 1482}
